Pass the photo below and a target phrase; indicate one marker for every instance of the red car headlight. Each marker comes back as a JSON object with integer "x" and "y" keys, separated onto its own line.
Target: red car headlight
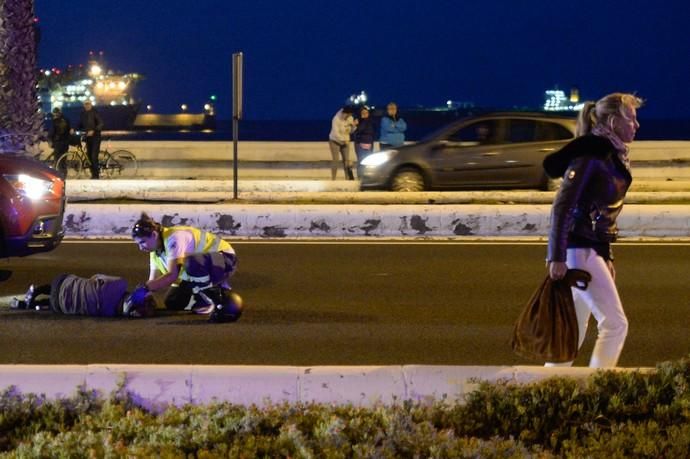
{"x": 31, "y": 187}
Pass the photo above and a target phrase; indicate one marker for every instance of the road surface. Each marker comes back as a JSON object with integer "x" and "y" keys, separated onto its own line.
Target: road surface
{"x": 344, "y": 303}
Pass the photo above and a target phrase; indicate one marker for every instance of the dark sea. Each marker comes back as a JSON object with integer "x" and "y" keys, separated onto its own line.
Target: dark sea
{"x": 317, "y": 130}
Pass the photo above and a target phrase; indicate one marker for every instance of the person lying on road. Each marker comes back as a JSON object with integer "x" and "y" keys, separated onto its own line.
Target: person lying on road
{"x": 96, "y": 296}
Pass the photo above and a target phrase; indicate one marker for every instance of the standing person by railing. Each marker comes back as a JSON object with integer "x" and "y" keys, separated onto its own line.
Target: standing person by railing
{"x": 364, "y": 137}
{"x": 392, "y": 128}
{"x": 91, "y": 122}
{"x": 342, "y": 126}
{"x": 59, "y": 136}
{"x": 596, "y": 176}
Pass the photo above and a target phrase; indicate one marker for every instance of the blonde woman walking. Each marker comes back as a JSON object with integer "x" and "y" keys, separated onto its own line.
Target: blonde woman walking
{"x": 596, "y": 176}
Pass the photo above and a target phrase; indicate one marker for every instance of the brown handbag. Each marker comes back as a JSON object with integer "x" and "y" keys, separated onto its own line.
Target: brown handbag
{"x": 547, "y": 328}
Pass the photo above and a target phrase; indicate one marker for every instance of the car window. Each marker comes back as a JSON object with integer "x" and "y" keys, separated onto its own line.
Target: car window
{"x": 480, "y": 133}
{"x": 552, "y": 131}
{"x": 522, "y": 130}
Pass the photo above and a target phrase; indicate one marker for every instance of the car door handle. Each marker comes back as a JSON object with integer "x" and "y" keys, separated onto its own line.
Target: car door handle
{"x": 546, "y": 150}
{"x": 490, "y": 153}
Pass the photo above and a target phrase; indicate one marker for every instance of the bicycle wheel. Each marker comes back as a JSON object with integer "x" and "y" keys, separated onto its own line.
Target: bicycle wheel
{"x": 105, "y": 169}
{"x": 70, "y": 164}
{"x": 122, "y": 163}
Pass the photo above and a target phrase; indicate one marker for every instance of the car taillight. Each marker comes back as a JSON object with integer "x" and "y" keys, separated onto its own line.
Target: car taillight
{"x": 31, "y": 187}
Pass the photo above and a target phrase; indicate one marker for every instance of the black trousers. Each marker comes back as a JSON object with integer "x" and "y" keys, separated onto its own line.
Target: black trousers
{"x": 203, "y": 271}
{"x": 60, "y": 147}
{"x": 93, "y": 147}
{"x": 179, "y": 296}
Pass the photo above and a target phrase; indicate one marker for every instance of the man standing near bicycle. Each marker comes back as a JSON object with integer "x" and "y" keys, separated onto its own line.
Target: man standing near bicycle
{"x": 91, "y": 122}
{"x": 59, "y": 136}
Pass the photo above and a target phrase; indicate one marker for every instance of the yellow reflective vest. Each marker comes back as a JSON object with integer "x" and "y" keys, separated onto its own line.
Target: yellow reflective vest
{"x": 204, "y": 242}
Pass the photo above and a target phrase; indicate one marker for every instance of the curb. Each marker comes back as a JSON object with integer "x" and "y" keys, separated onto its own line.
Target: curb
{"x": 157, "y": 386}
{"x": 338, "y": 221}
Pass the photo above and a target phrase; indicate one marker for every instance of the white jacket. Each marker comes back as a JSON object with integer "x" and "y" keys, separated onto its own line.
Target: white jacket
{"x": 341, "y": 128}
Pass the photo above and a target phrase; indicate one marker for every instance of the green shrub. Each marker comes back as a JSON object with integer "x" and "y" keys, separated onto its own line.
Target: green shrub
{"x": 611, "y": 414}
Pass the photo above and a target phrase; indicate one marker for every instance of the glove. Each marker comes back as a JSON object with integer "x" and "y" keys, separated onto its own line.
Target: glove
{"x": 139, "y": 294}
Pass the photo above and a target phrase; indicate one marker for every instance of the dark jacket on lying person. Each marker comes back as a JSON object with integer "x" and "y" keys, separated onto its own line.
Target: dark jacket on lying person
{"x": 99, "y": 295}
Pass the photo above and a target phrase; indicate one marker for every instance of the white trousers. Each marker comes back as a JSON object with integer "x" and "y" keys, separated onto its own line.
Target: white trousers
{"x": 601, "y": 300}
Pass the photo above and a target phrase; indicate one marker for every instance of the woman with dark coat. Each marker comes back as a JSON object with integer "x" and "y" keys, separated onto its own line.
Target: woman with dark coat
{"x": 364, "y": 137}
{"x": 596, "y": 176}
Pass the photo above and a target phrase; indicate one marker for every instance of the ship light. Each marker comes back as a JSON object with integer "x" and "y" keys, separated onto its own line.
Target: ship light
{"x": 95, "y": 70}
{"x": 183, "y": 107}
{"x": 113, "y": 103}
{"x": 207, "y": 107}
{"x": 121, "y": 85}
{"x": 148, "y": 108}
{"x": 111, "y": 85}
{"x": 99, "y": 85}
{"x": 47, "y": 73}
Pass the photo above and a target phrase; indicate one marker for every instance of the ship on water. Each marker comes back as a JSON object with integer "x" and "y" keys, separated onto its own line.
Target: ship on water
{"x": 112, "y": 93}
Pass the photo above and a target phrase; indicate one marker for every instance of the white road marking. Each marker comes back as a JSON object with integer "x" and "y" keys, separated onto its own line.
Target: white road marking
{"x": 350, "y": 241}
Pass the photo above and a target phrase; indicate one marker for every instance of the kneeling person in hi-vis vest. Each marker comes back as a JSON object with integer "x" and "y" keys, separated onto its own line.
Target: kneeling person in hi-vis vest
{"x": 195, "y": 264}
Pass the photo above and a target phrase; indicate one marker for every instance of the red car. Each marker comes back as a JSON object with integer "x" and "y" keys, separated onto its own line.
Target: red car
{"x": 32, "y": 204}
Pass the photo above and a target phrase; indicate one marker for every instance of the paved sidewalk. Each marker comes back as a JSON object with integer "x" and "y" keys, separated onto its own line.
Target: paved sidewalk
{"x": 335, "y": 192}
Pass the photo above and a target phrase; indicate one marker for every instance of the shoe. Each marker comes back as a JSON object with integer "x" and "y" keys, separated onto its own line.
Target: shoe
{"x": 16, "y": 303}
{"x": 30, "y": 296}
{"x": 203, "y": 309}
{"x": 206, "y": 301}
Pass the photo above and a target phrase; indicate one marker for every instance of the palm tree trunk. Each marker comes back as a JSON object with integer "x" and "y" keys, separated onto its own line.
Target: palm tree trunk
{"x": 20, "y": 119}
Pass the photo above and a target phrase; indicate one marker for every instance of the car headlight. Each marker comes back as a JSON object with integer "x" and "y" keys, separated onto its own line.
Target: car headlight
{"x": 31, "y": 187}
{"x": 376, "y": 159}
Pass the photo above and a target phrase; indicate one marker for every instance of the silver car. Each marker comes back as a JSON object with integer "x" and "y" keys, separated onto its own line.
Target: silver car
{"x": 495, "y": 150}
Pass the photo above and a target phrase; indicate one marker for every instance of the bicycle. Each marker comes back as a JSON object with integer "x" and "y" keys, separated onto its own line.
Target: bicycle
{"x": 118, "y": 162}
{"x": 76, "y": 161}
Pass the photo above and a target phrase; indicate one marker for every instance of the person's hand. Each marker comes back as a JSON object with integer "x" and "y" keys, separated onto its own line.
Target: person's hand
{"x": 89, "y": 133}
{"x": 355, "y": 122}
{"x": 557, "y": 269}
{"x": 139, "y": 294}
{"x": 71, "y": 131}
{"x": 612, "y": 270}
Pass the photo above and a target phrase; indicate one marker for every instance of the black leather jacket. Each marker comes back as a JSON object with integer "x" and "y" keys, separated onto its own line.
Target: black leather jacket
{"x": 590, "y": 199}
{"x": 91, "y": 121}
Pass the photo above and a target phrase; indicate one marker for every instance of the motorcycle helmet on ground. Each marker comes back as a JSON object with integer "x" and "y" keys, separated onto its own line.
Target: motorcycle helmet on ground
{"x": 229, "y": 309}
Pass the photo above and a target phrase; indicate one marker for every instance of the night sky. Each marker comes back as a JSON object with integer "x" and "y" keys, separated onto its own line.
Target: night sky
{"x": 304, "y": 58}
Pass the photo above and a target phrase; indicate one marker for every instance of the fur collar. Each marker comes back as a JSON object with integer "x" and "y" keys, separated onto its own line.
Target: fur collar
{"x": 557, "y": 163}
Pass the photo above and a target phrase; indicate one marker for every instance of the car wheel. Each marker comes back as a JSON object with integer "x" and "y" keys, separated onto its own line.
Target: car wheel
{"x": 550, "y": 184}
{"x": 408, "y": 179}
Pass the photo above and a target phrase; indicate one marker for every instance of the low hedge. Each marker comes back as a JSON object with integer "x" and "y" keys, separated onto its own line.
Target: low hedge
{"x": 612, "y": 414}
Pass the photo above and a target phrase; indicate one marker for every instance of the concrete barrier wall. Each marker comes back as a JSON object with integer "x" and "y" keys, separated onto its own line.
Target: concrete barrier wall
{"x": 318, "y": 151}
{"x": 337, "y": 221}
{"x": 157, "y": 386}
